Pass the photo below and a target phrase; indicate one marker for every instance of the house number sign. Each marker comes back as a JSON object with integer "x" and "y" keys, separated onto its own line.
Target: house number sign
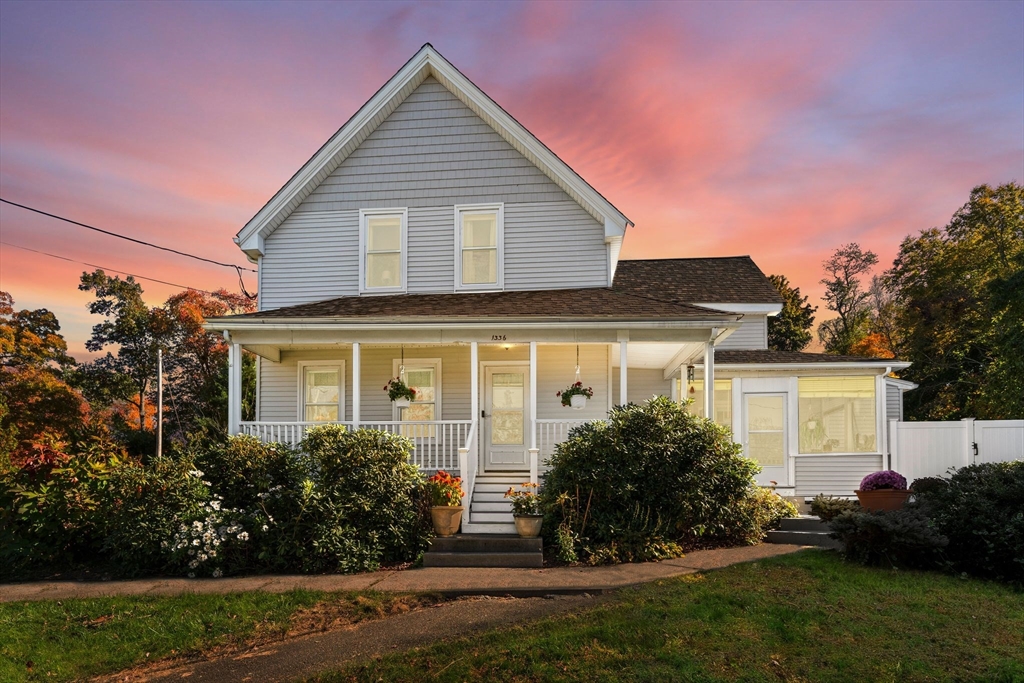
{"x": 497, "y": 337}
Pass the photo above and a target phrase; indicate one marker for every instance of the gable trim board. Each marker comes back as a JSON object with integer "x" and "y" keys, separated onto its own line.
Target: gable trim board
{"x": 426, "y": 62}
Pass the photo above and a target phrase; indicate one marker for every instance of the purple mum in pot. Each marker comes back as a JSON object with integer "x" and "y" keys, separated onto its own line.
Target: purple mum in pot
{"x": 886, "y": 479}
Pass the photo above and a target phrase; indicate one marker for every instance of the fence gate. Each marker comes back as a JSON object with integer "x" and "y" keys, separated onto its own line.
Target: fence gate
{"x": 930, "y": 449}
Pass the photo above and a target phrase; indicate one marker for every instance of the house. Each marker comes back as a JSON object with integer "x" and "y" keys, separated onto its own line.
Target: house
{"x": 434, "y": 238}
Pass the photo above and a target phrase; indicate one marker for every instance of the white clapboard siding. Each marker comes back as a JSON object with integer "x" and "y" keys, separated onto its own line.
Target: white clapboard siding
{"x": 834, "y": 475}
{"x": 555, "y": 365}
{"x": 432, "y": 151}
{"x": 641, "y": 384}
{"x": 431, "y": 154}
{"x": 752, "y": 334}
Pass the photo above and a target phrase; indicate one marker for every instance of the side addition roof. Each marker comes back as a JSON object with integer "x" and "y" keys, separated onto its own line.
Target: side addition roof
{"x": 426, "y": 62}
{"x": 722, "y": 280}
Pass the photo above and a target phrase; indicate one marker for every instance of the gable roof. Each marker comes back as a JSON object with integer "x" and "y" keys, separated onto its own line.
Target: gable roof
{"x": 593, "y": 303}
{"x": 426, "y": 62}
{"x": 722, "y": 280}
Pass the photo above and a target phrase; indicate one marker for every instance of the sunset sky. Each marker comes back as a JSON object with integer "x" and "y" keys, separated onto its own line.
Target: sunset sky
{"x": 775, "y": 130}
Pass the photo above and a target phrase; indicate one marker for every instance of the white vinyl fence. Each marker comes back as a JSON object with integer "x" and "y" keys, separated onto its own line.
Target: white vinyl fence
{"x": 929, "y": 449}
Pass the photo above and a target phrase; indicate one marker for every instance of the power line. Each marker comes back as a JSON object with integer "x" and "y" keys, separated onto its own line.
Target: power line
{"x": 125, "y": 237}
{"x": 112, "y": 270}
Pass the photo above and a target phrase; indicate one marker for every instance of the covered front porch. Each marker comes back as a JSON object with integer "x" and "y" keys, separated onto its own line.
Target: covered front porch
{"x": 486, "y": 406}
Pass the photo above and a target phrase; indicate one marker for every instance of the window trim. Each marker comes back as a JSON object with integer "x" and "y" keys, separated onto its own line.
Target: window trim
{"x": 396, "y": 412}
{"x": 364, "y": 214}
{"x": 302, "y": 365}
{"x": 498, "y": 209}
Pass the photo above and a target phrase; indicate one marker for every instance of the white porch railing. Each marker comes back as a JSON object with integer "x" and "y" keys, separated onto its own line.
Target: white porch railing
{"x": 469, "y": 462}
{"x": 550, "y": 433}
{"x": 290, "y": 433}
{"x": 436, "y": 443}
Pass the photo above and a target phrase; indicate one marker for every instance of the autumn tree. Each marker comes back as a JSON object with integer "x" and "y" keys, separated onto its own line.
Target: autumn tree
{"x": 197, "y": 360}
{"x": 846, "y": 298}
{"x": 136, "y": 330}
{"x": 959, "y": 291}
{"x": 31, "y": 338}
{"x": 790, "y": 330}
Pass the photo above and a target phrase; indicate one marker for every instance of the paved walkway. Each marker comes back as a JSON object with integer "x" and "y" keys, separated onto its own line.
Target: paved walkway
{"x": 451, "y": 581}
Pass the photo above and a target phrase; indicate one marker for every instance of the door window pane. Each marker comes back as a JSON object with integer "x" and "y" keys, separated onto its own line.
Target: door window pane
{"x": 507, "y": 427}
{"x": 766, "y": 417}
{"x": 837, "y": 414}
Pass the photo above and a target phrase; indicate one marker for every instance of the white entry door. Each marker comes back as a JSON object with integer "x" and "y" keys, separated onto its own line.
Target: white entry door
{"x": 506, "y": 417}
{"x": 765, "y": 436}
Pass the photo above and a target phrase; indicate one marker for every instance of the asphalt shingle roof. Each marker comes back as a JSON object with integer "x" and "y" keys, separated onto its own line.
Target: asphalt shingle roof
{"x": 728, "y": 279}
{"x": 743, "y": 356}
{"x": 590, "y": 303}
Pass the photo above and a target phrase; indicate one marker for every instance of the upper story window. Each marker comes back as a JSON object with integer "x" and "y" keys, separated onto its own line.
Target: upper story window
{"x": 382, "y": 247}
{"x": 479, "y": 231}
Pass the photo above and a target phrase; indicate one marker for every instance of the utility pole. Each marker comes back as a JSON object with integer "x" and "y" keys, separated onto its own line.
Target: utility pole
{"x": 159, "y": 403}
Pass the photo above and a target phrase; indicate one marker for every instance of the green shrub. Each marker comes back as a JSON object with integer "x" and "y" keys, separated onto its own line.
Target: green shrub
{"x": 901, "y": 538}
{"x": 143, "y": 505}
{"x": 981, "y": 510}
{"x": 761, "y": 511}
{"x": 646, "y": 483}
{"x": 827, "y": 508}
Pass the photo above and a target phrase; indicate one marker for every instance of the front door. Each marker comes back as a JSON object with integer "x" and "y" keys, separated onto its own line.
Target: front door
{"x": 506, "y": 417}
{"x": 765, "y": 438}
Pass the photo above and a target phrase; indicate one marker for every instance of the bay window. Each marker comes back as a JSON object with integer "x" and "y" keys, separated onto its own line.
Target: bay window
{"x": 479, "y": 233}
{"x": 837, "y": 415}
{"x": 382, "y": 247}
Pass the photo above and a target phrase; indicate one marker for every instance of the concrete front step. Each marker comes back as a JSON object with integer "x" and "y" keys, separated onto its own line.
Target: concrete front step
{"x": 486, "y": 543}
{"x": 815, "y": 538}
{"x": 510, "y": 560}
{"x": 484, "y": 550}
{"x": 803, "y": 523}
{"x": 493, "y": 486}
{"x": 490, "y": 497}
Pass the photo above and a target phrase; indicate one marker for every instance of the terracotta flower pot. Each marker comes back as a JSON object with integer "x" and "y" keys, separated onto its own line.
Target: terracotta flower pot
{"x": 882, "y": 500}
{"x": 528, "y": 526}
{"x": 578, "y": 401}
{"x": 446, "y": 518}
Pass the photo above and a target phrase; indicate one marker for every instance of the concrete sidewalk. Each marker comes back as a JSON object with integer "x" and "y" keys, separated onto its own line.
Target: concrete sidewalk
{"x": 450, "y": 581}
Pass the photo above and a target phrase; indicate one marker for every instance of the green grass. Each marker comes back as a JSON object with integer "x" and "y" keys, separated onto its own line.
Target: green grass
{"x": 74, "y": 639}
{"x": 805, "y": 617}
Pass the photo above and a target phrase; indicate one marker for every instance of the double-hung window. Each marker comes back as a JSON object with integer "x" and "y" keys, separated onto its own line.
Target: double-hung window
{"x": 321, "y": 391}
{"x": 382, "y": 248}
{"x": 479, "y": 231}
{"x": 424, "y": 377}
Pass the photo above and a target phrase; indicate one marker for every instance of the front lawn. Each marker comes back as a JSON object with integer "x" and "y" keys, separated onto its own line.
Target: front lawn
{"x": 804, "y": 617}
{"x": 60, "y": 640}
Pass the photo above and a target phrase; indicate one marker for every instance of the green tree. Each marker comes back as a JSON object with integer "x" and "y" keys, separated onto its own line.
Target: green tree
{"x": 135, "y": 329}
{"x": 960, "y": 295}
{"x": 845, "y": 297}
{"x": 790, "y": 330}
{"x": 31, "y": 338}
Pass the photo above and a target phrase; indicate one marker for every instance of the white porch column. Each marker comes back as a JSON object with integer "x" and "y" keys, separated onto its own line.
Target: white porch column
{"x": 474, "y": 381}
{"x": 623, "y": 373}
{"x": 357, "y": 376}
{"x": 234, "y": 388}
{"x": 709, "y": 380}
{"x": 534, "y": 451}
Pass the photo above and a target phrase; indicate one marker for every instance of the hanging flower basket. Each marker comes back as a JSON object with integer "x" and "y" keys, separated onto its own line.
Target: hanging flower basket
{"x": 576, "y": 395}
{"x": 399, "y": 392}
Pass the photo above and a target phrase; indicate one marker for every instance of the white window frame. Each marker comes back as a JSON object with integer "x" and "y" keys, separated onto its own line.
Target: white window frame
{"x": 499, "y": 210}
{"x": 302, "y": 365}
{"x": 880, "y": 433}
{"x": 364, "y": 214}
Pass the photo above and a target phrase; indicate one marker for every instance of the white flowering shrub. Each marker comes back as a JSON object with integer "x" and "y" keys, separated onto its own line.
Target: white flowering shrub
{"x": 208, "y": 545}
